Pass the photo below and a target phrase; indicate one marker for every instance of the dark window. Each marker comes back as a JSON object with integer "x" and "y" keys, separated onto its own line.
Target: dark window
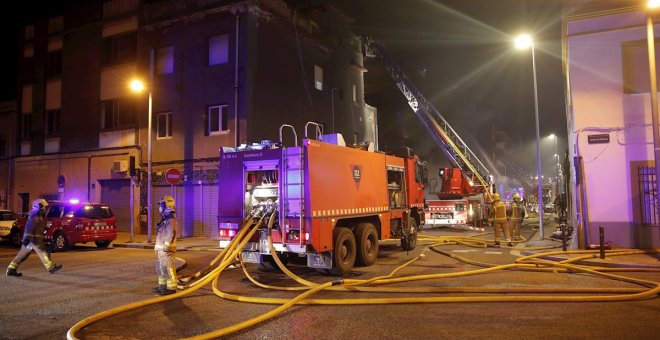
{"x": 8, "y": 216}
{"x": 164, "y": 125}
{"x": 93, "y": 211}
{"x": 217, "y": 120}
{"x": 52, "y": 122}
{"x": 120, "y": 48}
{"x": 54, "y": 64}
{"x": 118, "y": 113}
{"x": 26, "y": 125}
{"x": 55, "y": 211}
{"x": 3, "y": 145}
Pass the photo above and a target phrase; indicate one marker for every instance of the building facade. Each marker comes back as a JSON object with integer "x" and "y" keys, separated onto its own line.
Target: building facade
{"x": 606, "y": 67}
{"x": 222, "y": 73}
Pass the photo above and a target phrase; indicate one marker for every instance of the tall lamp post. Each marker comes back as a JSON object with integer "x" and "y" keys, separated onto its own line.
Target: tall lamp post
{"x": 524, "y": 41}
{"x": 138, "y": 86}
{"x": 653, "y": 6}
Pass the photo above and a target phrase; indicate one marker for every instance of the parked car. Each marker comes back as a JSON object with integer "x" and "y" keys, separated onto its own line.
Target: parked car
{"x": 71, "y": 222}
{"x": 7, "y": 220}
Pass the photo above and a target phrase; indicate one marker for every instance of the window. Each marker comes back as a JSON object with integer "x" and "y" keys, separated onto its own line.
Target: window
{"x": 216, "y": 121}
{"x": 117, "y": 113}
{"x": 165, "y": 60}
{"x": 26, "y": 125}
{"x": 164, "y": 125}
{"x": 635, "y": 58}
{"x": 318, "y": 77}
{"x": 219, "y": 49}
{"x": 55, "y": 211}
{"x": 55, "y": 25}
{"x": 119, "y": 48}
{"x": 54, "y": 64}
{"x": 3, "y": 145}
{"x": 52, "y": 122}
{"x": 29, "y": 32}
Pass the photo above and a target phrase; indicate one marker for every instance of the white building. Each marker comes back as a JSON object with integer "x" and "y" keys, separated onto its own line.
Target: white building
{"x": 607, "y": 78}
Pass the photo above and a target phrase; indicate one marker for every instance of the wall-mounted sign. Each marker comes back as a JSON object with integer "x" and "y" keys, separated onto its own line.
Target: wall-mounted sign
{"x": 602, "y": 138}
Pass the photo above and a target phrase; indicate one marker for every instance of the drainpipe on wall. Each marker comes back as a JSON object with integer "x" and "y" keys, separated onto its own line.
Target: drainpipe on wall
{"x": 236, "y": 81}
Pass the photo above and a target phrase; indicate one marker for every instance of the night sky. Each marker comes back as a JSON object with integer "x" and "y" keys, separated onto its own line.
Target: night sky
{"x": 460, "y": 50}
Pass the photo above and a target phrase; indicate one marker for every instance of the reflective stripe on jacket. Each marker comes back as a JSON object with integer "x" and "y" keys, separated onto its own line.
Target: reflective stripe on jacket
{"x": 498, "y": 212}
{"x": 166, "y": 237}
{"x": 516, "y": 212}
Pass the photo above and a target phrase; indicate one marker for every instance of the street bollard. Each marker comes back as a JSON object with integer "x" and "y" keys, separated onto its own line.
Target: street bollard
{"x": 601, "y": 232}
{"x": 563, "y": 236}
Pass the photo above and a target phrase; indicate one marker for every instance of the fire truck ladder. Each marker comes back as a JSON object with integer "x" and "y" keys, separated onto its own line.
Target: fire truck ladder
{"x": 293, "y": 186}
{"x": 451, "y": 144}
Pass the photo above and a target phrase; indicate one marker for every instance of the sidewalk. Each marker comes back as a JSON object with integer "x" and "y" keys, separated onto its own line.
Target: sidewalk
{"x": 550, "y": 225}
{"x": 185, "y": 243}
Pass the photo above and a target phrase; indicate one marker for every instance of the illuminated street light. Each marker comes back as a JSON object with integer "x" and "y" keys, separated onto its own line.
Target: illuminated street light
{"x": 138, "y": 86}
{"x": 525, "y": 41}
{"x": 650, "y": 42}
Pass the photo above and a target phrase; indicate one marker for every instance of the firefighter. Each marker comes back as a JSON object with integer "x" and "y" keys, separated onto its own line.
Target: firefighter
{"x": 516, "y": 214}
{"x": 498, "y": 220}
{"x": 166, "y": 247}
{"x": 33, "y": 240}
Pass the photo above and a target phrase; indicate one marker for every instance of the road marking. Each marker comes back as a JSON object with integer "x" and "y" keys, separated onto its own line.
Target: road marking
{"x": 492, "y": 252}
{"x": 462, "y": 250}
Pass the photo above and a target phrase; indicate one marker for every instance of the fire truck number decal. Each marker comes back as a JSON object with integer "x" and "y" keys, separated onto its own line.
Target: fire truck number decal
{"x": 357, "y": 173}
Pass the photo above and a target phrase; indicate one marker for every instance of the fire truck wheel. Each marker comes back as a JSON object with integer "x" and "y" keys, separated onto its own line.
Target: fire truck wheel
{"x": 268, "y": 264}
{"x": 343, "y": 256}
{"x": 59, "y": 242}
{"x": 409, "y": 240}
{"x": 366, "y": 236}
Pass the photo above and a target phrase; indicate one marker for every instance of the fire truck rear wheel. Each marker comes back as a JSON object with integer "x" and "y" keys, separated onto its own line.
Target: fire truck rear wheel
{"x": 366, "y": 236}
{"x": 409, "y": 240}
{"x": 343, "y": 256}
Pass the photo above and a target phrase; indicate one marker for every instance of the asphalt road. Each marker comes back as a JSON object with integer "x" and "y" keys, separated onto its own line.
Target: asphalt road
{"x": 44, "y": 306}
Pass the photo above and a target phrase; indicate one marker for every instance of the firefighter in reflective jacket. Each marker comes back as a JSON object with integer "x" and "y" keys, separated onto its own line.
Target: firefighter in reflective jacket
{"x": 516, "y": 214}
{"x": 498, "y": 219}
{"x": 166, "y": 247}
{"x": 33, "y": 240}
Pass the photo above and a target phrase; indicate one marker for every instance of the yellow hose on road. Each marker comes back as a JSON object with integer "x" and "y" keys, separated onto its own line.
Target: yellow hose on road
{"x": 533, "y": 262}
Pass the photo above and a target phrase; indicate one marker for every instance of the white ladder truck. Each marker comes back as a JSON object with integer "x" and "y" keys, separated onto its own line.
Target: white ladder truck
{"x": 465, "y": 187}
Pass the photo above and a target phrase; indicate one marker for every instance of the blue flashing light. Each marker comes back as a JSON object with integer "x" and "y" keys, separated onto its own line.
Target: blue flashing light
{"x": 74, "y": 201}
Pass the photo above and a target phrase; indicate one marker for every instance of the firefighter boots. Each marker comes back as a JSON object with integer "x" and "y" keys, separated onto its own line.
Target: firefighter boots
{"x": 158, "y": 289}
{"x": 13, "y": 272}
{"x": 54, "y": 268}
{"x": 167, "y": 292}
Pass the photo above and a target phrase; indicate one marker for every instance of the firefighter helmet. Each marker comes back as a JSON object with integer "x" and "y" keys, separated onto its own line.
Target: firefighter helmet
{"x": 516, "y": 197}
{"x": 39, "y": 203}
{"x": 496, "y": 197}
{"x": 167, "y": 204}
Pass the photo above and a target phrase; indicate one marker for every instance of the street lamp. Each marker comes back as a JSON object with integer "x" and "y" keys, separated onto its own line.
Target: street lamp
{"x": 653, "y": 6}
{"x": 525, "y": 41}
{"x": 138, "y": 86}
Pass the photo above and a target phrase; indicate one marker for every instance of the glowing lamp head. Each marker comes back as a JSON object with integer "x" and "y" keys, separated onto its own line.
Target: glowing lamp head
{"x": 653, "y": 4}
{"x": 523, "y": 41}
{"x": 74, "y": 201}
{"x": 137, "y": 86}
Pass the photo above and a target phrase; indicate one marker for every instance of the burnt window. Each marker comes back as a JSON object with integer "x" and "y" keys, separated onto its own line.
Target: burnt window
{"x": 52, "y": 122}
{"x": 54, "y": 64}
{"x": 120, "y": 48}
{"x": 26, "y": 125}
{"x": 118, "y": 113}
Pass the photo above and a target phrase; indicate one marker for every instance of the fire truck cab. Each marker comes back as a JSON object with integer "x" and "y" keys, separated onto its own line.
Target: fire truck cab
{"x": 332, "y": 203}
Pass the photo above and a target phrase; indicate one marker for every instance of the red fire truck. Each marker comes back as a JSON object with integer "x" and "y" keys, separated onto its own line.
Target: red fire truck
{"x": 333, "y": 203}
{"x": 457, "y": 205}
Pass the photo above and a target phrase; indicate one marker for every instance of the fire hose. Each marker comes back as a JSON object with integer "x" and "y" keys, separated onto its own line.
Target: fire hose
{"x": 538, "y": 262}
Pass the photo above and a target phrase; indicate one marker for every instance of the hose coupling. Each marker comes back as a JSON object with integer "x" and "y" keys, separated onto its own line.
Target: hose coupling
{"x": 338, "y": 282}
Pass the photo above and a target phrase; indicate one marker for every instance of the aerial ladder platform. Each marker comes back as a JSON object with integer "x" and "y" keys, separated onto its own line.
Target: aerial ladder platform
{"x": 451, "y": 144}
